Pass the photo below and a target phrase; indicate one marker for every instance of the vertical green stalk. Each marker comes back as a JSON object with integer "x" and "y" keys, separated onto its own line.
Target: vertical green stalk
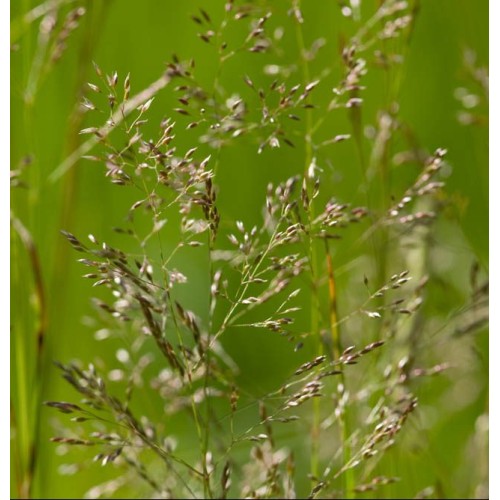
{"x": 24, "y": 405}
{"x": 212, "y": 234}
{"x": 206, "y": 440}
{"x": 312, "y": 251}
{"x": 315, "y": 305}
{"x": 40, "y": 332}
{"x": 20, "y": 406}
{"x": 348, "y": 475}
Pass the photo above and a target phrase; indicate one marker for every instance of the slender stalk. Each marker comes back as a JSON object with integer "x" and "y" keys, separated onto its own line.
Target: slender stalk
{"x": 20, "y": 406}
{"x": 312, "y": 251}
{"x": 337, "y": 350}
{"x": 206, "y": 440}
{"x": 41, "y": 329}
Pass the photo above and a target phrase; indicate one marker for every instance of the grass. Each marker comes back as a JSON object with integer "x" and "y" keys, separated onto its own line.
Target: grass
{"x": 303, "y": 344}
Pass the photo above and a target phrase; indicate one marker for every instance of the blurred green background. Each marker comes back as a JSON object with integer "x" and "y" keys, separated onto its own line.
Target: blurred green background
{"x": 139, "y": 38}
